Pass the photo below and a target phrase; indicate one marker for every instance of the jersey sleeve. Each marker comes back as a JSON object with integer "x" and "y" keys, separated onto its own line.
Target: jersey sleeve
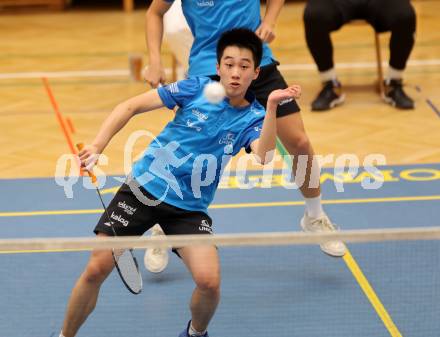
{"x": 179, "y": 93}
{"x": 251, "y": 133}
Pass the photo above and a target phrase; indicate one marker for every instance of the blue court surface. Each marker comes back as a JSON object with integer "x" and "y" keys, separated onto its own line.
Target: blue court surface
{"x": 378, "y": 289}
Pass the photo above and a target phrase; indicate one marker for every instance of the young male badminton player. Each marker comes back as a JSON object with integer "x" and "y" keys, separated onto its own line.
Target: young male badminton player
{"x": 208, "y": 20}
{"x": 162, "y": 188}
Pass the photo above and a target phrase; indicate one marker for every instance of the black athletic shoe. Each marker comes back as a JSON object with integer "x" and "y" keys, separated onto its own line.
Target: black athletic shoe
{"x": 394, "y": 95}
{"x": 330, "y": 96}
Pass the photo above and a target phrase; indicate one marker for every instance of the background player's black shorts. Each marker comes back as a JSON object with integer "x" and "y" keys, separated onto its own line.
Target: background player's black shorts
{"x": 132, "y": 217}
{"x": 267, "y": 81}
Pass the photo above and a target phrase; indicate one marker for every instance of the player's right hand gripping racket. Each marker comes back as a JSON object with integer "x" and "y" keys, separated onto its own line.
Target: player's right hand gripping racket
{"x": 125, "y": 262}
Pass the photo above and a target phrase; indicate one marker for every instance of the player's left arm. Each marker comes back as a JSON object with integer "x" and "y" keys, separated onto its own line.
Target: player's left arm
{"x": 266, "y": 31}
{"x": 122, "y": 113}
{"x": 264, "y": 146}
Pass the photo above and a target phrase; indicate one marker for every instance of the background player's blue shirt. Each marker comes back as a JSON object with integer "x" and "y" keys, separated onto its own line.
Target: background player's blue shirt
{"x": 208, "y": 19}
{"x": 199, "y": 142}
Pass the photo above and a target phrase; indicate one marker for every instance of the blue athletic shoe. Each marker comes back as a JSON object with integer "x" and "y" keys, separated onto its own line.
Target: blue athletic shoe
{"x": 184, "y": 333}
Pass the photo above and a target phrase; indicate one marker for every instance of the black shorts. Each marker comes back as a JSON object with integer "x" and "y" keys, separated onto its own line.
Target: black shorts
{"x": 130, "y": 216}
{"x": 268, "y": 80}
{"x": 380, "y": 14}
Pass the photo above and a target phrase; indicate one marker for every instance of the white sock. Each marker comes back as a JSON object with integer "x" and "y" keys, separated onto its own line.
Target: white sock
{"x": 394, "y": 74}
{"x": 194, "y": 332}
{"x": 328, "y": 75}
{"x": 61, "y": 334}
{"x": 156, "y": 230}
{"x": 314, "y": 207}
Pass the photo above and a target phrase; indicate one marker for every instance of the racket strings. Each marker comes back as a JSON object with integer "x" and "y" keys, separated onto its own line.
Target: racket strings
{"x": 128, "y": 269}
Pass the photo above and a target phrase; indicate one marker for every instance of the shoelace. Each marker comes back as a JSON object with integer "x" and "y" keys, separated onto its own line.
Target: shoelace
{"x": 157, "y": 251}
{"x": 324, "y": 223}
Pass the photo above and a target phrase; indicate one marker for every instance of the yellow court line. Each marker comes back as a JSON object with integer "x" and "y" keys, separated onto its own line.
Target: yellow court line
{"x": 327, "y": 202}
{"x": 111, "y": 190}
{"x": 60, "y": 212}
{"x": 371, "y": 295}
{"x": 239, "y": 205}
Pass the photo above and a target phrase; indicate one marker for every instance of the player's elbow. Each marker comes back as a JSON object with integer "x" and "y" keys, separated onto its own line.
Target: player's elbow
{"x": 149, "y": 13}
{"x": 152, "y": 13}
{"x": 128, "y": 109}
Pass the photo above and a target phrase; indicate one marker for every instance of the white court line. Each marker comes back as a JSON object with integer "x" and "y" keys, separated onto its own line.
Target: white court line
{"x": 126, "y": 73}
{"x": 358, "y": 65}
{"x": 63, "y": 74}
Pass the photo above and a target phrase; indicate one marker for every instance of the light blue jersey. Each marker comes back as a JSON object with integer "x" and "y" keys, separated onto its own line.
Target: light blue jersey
{"x": 208, "y": 19}
{"x": 183, "y": 165}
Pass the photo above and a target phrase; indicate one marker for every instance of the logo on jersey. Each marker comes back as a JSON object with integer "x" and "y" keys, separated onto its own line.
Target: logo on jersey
{"x": 206, "y": 3}
{"x": 173, "y": 88}
{"x": 200, "y": 116}
{"x": 228, "y": 140}
{"x": 127, "y": 209}
{"x": 192, "y": 124}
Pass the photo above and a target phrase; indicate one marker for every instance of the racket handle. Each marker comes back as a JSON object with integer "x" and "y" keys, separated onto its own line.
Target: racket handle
{"x": 80, "y": 146}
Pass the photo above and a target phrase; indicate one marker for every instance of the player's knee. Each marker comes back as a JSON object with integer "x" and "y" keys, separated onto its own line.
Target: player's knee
{"x": 298, "y": 144}
{"x": 405, "y": 18}
{"x": 303, "y": 146}
{"x": 97, "y": 272}
{"x": 208, "y": 282}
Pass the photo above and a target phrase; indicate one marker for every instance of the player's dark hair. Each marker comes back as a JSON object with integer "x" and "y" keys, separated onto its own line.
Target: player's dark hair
{"x": 241, "y": 38}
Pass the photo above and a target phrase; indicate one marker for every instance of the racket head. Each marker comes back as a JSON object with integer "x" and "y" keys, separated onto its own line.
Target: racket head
{"x": 128, "y": 269}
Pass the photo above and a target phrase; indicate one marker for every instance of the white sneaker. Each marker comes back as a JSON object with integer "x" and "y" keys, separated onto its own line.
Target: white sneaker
{"x": 156, "y": 259}
{"x": 323, "y": 224}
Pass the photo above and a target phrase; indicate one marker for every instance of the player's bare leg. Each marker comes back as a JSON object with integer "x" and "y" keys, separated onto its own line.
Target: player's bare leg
{"x": 85, "y": 292}
{"x": 204, "y": 265}
{"x": 292, "y": 134}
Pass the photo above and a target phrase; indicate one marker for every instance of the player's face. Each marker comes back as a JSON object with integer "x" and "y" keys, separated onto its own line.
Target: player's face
{"x": 237, "y": 70}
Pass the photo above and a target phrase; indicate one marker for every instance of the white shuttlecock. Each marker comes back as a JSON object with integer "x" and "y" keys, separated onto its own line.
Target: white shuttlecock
{"x": 214, "y": 92}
